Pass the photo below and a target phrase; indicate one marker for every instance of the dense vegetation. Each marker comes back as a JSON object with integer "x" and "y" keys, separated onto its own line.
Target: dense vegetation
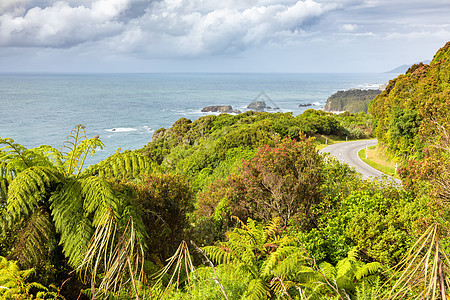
{"x": 353, "y": 101}
{"x": 413, "y": 121}
{"x": 236, "y": 207}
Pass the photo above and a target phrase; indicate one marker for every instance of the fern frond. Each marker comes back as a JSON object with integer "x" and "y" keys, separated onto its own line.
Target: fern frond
{"x": 284, "y": 261}
{"x": 12, "y": 279}
{"x": 76, "y": 148}
{"x": 328, "y": 270}
{"x": 14, "y": 158}
{"x": 99, "y": 197}
{"x": 368, "y": 269}
{"x": 352, "y": 255}
{"x": 258, "y": 289}
{"x": 13, "y": 152}
{"x": 220, "y": 254}
{"x": 52, "y": 156}
{"x": 3, "y": 190}
{"x": 125, "y": 165}
{"x": 33, "y": 239}
{"x": 75, "y": 228}
{"x": 306, "y": 275}
{"x": 273, "y": 227}
{"x": 243, "y": 225}
{"x": 344, "y": 267}
{"x": 281, "y": 286}
{"x": 30, "y": 188}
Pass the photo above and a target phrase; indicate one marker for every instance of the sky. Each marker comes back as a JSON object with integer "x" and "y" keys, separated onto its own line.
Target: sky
{"x": 276, "y": 36}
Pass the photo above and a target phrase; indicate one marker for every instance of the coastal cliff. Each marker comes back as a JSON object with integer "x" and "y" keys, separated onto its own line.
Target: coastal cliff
{"x": 353, "y": 101}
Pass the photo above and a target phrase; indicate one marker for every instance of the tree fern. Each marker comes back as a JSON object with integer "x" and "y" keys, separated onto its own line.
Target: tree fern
{"x": 78, "y": 200}
{"x": 348, "y": 274}
{"x": 258, "y": 251}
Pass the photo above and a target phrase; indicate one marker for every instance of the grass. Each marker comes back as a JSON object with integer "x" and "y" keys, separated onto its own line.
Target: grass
{"x": 375, "y": 157}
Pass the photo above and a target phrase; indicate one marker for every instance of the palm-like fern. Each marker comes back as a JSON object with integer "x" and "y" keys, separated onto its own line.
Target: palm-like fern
{"x": 280, "y": 266}
{"x": 272, "y": 261}
{"x": 348, "y": 274}
{"x": 14, "y": 285}
{"x": 81, "y": 201}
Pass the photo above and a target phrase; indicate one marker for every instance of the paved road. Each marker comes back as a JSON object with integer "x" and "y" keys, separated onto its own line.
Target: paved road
{"x": 348, "y": 152}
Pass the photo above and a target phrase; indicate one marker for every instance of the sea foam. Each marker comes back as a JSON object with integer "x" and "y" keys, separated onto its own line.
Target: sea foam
{"x": 121, "y": 129}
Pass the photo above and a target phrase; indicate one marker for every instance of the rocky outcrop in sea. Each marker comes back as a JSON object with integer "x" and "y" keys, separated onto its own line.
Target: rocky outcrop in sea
{"x": 227, "y": 109}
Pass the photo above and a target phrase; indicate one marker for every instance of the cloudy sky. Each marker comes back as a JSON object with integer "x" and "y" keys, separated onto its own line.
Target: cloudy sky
{"x": 219, "y": 35}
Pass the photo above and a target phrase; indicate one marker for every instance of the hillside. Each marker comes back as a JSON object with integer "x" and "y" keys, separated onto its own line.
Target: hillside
{"x": 412, "y": 118}
{"x": 353, "y": 101}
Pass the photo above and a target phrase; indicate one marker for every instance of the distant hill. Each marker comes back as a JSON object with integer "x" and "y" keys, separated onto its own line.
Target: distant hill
{"x": 403, "y": 68}
{"x": 353, "y": 101}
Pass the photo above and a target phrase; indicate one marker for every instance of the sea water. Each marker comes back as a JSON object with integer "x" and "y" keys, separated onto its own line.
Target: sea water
{"x": 125, "y": 109}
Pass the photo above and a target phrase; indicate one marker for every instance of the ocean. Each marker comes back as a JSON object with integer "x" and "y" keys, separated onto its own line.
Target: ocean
{"x": 125, "y": 109}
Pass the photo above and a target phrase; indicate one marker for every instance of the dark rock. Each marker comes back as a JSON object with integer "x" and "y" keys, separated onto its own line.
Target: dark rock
{"x": 305, "y": 105}
{"x": 257, "y": 106}
{"x": 221, "y": 109}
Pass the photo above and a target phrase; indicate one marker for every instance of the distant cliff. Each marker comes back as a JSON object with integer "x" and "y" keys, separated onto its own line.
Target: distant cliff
{"x": 353, "y": 100}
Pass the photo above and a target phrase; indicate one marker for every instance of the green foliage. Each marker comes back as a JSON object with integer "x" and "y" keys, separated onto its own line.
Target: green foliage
{"x": 412, "y": 108}
{"x": 54, "y": 197}
{"x": 412, "y": 118}
{"x": 379, "y": 225}
{"x": 319, "y": 122}
{"x": 281, "y": 181}
{"x": 122, "y": 166}
{"x": 261, "y": 253}
{"x": 278, "y": 266}
{"x": 208, "y": 142}
{"x": 164, "y": 202}
{"x": 204, "y": 287}
{"x": 14, "y": 283}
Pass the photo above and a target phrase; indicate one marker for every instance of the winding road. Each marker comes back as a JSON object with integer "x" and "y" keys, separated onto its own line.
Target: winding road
{"x": 348, "y": 153}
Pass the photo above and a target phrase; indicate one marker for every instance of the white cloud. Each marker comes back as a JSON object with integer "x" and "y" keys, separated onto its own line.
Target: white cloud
{"x": 60, "y": 25}
{"x": 349, "y": 27}
{"x": 162, "y": 28}
{"x": 222, "y": 28}
{"x": 180, "y": 29}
